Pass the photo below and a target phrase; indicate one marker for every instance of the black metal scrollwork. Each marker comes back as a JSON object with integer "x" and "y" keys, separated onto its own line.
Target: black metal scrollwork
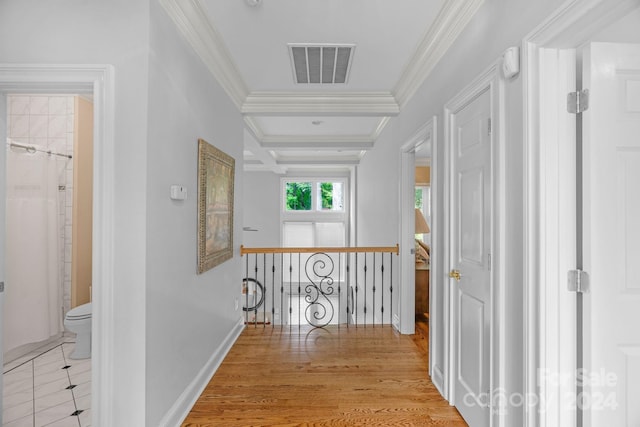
{"x": 320, "y": 310}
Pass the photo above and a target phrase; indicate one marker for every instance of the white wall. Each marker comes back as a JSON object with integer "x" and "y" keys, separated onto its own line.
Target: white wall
{"x": 497, "y": 25}
{"x": 262, "y": 209}
{"x": 99, "y": 32}
{"x": 188, "y": 315}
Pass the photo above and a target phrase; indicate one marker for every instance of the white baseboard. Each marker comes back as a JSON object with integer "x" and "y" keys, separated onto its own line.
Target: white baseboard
{"x": 438, "y": 380}
{"x": 190, "y": 395}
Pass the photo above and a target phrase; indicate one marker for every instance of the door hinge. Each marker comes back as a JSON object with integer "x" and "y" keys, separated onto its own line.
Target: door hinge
{"x": 578, "y": 281}
{"x": 1, "y": 286}
{"x": 489, "y": 125}
{"x": 489, "y": 262}
{"x": 577, "y": 102}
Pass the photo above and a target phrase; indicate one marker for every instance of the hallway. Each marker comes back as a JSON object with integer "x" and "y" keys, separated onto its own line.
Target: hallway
{"x": 347, "y": 376}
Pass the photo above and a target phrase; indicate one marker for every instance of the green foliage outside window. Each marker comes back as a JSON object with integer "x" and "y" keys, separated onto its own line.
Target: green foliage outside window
{"x": 326, "y": 193}
{"x": 298, "y": 196}
{"x": 418, "y": 198}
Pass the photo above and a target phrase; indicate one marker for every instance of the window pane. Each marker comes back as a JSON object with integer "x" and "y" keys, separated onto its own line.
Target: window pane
{"x": 330, "y": 196}
{"x": 419, "y": 198}
{"x": 298, "y": 196}
{"x": 330, "y": 234}
{"x": 298, "y": 234}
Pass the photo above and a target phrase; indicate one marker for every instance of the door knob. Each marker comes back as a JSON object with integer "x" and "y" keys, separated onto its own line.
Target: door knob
{"x": 455, "y": 274}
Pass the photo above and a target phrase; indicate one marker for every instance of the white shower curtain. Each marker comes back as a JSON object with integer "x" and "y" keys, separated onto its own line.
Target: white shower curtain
{"x": 33, "y": 293}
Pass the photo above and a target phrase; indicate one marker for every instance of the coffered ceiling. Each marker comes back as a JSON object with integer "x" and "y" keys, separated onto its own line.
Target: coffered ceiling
{"x": 391, "y": 46}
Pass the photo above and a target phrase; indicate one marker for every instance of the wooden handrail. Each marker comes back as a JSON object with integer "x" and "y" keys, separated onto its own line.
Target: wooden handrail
{"x": 393, "y": 249}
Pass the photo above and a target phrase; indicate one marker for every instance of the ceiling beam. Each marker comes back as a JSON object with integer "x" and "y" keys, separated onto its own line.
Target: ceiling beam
{"x": 320, "y": 104}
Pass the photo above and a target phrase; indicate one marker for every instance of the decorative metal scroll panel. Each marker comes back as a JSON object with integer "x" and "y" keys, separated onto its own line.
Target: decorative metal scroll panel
{"x": 318, "y": 287}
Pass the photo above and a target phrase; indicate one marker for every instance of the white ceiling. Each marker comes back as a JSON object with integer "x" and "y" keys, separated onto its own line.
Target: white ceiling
{"x": 293, "y": 126}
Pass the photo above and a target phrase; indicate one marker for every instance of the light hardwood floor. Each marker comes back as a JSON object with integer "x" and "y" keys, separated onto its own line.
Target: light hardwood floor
{"x": 324, "y": 377}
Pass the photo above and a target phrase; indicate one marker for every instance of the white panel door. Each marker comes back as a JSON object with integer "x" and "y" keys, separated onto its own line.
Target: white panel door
{"x": 470, "y": 245}
{"x": 611, "y": 227}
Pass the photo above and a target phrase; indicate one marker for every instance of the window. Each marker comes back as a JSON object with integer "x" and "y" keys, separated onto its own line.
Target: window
{"x": 423, "y": 202}
{"x": 314, "y": 214}
{"x": 329, "y": 196}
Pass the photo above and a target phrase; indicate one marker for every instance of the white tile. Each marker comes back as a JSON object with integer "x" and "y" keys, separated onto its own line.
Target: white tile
{"x": 53, "y": 399}
{"x": 84, "y": 402}
{"x": 58, "y": 127}
{"x": 68, "y": 348}
{"x": 82, "y": 390}
{"x": 70, "y": 104}
{"x": 70, "y": 123}
{"x": 18, "y": 126}
{"x": 39, "y": 142}
{"x": 23, "y": 140}
{"x": 65, "y": 422}
{"x": 70, "y": 142}
{"x": 18, "y": 398}
{"x": 78, "y": 367}
{"x": 85, "y": 418}
{"x": 69, "y": 173}
{"x": 68, "y": 215}
{"x": 39, "y": 105}
{"x": 51, "y": 387}
{"x": 52, "y": 355}
{"x": 18, "y": 380}
{"x": 38, "y": 126}
{"x": 18, "y": 105}
{"x": 58, "y": 145}
{"x": 58, "y": 105}
{"x": 56, "y": 413}
{"x": 17, "y": 386}
{"x": 21, "y": 422}
{"x": 17, "y": 412}
{"x": 49, "y": 367}
{"x": 82, "y": 377}
{"x": 51, "y": 377}
{"x": 67, "y": 251}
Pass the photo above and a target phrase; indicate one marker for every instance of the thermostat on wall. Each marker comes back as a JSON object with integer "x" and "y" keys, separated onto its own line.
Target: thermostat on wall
{"x": 178, "y": 192}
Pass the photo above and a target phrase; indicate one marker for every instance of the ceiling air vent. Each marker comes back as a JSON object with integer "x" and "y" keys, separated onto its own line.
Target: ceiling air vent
{"x": 325, "y": 64}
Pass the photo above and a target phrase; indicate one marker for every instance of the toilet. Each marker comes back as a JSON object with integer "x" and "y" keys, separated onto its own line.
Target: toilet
{"x": 78, "y": 320}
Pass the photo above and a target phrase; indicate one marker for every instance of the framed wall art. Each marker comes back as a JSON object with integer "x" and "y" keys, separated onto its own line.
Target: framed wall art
{"x": 215, "y": 206}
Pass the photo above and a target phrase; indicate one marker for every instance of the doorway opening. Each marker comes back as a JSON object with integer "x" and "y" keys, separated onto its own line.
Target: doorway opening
{"x": 49, "y": 151}
{"x": 560, "y": 54}
{"x": 96, "y": 81}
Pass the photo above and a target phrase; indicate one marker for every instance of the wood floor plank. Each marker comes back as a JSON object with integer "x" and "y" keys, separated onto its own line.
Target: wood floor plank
{"x": 324, "y": 377}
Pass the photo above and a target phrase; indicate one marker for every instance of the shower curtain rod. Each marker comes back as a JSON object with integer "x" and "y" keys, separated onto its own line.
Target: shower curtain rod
{"x": 32, "y": 149}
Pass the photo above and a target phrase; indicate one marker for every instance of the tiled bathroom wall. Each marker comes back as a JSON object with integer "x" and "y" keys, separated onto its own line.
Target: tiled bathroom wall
{"x": 47, "y": 122}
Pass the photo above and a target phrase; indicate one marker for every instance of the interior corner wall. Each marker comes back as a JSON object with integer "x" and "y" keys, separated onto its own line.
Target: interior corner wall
{"x": 189, "y": 315}
{"x": 116, "y": 33}
{"x": 497, "y": 25}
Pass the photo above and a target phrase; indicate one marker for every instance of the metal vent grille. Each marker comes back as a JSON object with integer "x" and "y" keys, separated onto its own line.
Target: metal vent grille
{"x": 321, "y": 64}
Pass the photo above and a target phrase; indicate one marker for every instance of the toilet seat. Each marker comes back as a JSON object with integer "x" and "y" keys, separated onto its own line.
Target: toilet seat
{"x": 81, "y": 312}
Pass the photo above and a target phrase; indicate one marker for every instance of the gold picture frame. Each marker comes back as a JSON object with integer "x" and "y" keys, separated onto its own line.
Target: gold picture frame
{"x": 216, "y": 172}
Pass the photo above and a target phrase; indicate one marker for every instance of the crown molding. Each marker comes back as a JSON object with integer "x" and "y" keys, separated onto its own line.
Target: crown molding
{"x": 319, "y": 161}
{"x": 451, "y": 21}
{"x": 306, "y": 142}
{"x": 253, "y": 127}
{"x": 190, "y": 18}
{"x": 383, "y": 123}
{"x": 310, "y": 103}
{"x": 314, "y": 142}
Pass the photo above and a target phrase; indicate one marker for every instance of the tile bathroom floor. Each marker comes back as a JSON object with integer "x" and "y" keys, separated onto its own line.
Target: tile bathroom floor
{"x": 47, "y": 388}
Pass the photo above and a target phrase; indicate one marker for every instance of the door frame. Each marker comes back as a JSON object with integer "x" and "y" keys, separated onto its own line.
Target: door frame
{"x": 547, "y": 74}
{"x": 490, "y": 81}
{"x": 98, "y": 80}
{"x": 424, "y": 135}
